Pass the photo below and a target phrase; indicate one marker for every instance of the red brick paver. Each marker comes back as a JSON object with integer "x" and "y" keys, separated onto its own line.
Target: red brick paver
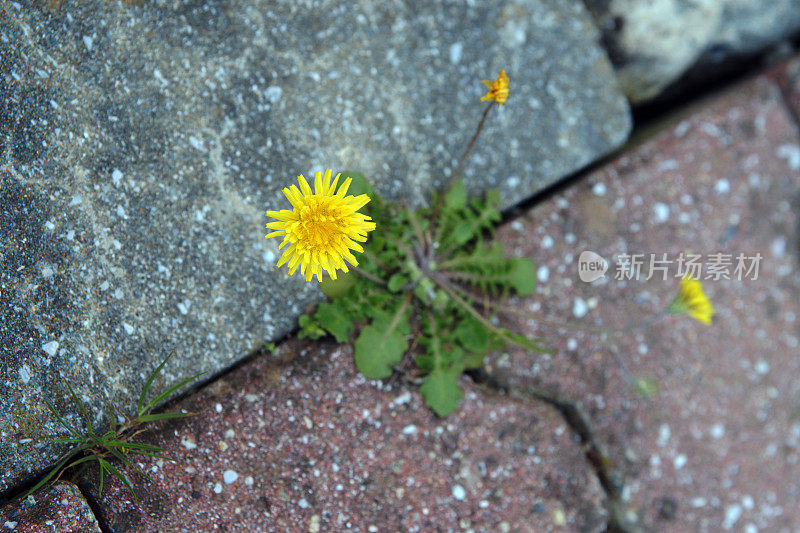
{"x": 718, "y": 448}
{"x": 307, "y": 444}
{"x": 58, "y": 508}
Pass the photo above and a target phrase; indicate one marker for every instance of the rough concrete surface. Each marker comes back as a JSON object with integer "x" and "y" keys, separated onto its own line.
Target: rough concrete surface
{"x": 718, "y": 447}
{"x": 141, "y": 143}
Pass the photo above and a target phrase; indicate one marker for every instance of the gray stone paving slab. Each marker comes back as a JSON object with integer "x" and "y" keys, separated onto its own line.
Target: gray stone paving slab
{"x": 141, "y": 143}
{"x": 653, "y": 44}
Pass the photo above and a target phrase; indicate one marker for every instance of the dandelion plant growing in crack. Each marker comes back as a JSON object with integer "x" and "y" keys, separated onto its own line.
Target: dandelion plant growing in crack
{"x": 430, "y": 275}
{"x": 115, "y": 443}
{"x": 425, "y": 300}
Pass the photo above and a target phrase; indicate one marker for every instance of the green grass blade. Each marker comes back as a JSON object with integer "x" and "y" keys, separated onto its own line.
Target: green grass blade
{"x": 101, "y": 478}
{"x": 80, "y": 406}
{"x": 61, "y": 420}
{"x": 122, "y": 456}
{"x": 112, "y": 470}
{"x": 169, "y": 391}
{"x": 52, "y": 473}
{"x": 135, "y": 446}
{"x": 66, "y": 441}
{"x": 161, "y": 416}
{"x": 140, "y": 402}
{"x": 157, "y": 456}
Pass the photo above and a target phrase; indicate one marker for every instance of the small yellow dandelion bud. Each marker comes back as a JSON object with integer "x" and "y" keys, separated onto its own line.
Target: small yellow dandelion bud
{"x": 692, "y": 301}
{"x": 498, "y": 89}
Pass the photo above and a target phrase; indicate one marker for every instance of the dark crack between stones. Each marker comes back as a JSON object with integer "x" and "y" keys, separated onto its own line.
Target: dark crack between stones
{"x": 578, "y": 421}
{"x": 97, "y": 509}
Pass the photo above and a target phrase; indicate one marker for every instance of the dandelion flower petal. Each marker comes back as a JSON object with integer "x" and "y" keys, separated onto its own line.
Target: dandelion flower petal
{"x": 692, "y": 301}
{"x": 322, "y": 228}
{"x": 498, "y": 89}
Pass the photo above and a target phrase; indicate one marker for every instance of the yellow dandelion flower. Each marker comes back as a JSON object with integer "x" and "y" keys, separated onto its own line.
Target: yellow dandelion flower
{"x": 498, "y": 89}
{"x": 322, "y": 226}
{"x": 692, "y": 301}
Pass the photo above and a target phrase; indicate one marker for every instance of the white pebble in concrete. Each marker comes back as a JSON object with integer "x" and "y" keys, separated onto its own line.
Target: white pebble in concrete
{"x": 50, "y": 348}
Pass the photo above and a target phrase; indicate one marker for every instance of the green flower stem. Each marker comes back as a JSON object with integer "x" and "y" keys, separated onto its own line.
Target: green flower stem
{"x": 583, "y": 327}
{"x": 368, "y": 276}
{"x": 470, "y": 146}
{"x": 418, "y": 230}
{"x": 459, "y": 165}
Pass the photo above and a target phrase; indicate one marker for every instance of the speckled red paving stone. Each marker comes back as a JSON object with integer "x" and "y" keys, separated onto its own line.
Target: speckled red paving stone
{"x": 718, "y": 448}
{"x": 301, "y": 442}
{"x": 58, "y": 508}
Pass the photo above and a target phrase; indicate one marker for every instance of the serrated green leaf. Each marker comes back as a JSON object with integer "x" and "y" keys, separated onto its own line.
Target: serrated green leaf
{"x": 493, "y": 201}
{"x": 463, "y": 233}
{"x": 424, "y": 363}
{"x": 472, "y": 335}
{"x": 473, "y": 360}
{"x": 522, "y": 276}
{"x": 451, "y": 357}
{"x": 441, "y": 392}
{"x": 456, "y": 196}
{"x": 378, "y": 350}
{"x": 335, "y": 319}
{"x": 309, "y": 328}
{"x": 397, "y": 281}
{"x": 381, "y": 345}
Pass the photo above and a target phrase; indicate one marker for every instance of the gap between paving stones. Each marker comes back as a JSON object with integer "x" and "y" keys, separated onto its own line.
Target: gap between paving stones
{"x": 577, "y": 419}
